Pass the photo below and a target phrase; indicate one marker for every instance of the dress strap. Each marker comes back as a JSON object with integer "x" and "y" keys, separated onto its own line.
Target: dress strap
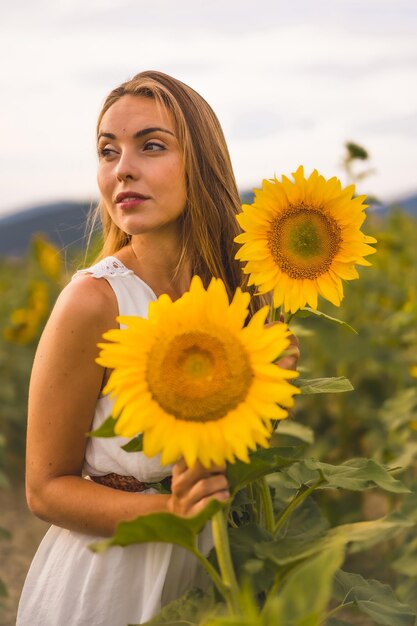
{"x": 132, "y": 293}
{"x": 108, "y": 267}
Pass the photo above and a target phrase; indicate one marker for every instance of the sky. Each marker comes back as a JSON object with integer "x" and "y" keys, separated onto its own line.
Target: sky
{"x": 291, "y": 82}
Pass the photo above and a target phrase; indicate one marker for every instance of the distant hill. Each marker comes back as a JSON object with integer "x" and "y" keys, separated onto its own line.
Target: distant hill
{"x": 64, "y": 223}
{"x": 408, "y": 204}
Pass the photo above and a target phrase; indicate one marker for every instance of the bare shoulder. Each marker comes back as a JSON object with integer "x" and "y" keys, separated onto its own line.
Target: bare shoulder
{"x": 86, "y": 302}
{"x": 66, "y": 353}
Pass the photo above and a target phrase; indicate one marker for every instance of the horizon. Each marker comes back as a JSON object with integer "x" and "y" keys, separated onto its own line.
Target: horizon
{"x": 93, "y": 201}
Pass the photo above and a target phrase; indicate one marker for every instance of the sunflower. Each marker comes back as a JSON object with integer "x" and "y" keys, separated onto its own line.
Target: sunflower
{"x": 194, "y": 380}
{"x": 302, "y": 238}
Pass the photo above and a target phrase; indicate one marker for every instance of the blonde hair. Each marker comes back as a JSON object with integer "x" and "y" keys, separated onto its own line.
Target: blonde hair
{"x": 209, "y": 223}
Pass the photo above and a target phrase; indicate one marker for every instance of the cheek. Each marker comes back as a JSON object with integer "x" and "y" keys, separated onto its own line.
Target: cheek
{"x": 178, "y": 178}
{"x": 103, "y": 181}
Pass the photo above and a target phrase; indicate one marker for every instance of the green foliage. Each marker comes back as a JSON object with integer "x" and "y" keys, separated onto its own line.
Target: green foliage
{"x": 337, "y": 384}
{"x": 299, "y": 604}
{"x": 28, "y": 289}
{"x": 307, "y": 311}
{"x": 378, "y": 361}
{"x": 106, "y": 429}
{"x": 355, "y": 151}
{"x": 323, "y": 468}
{"x": 193, "y": 608}
{"x": 373, "y": 598}
{"x": 262, "y": 462}
{"x": 134, "y": 445}
{"x": 355, "y": 475}
{"x": 163, "y": 527}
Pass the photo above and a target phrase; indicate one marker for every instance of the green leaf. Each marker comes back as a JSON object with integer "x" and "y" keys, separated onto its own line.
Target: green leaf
{"x": 373, "y": 598}
{"x": 408, "y": 507}
{"x": 406, "y": 561}
{"x": 242, "y": 543}
{"x": 306, "y": 522}
{"x": 301, "y": 601}
{"x": 400, "y": 409}
{"x": 306, "y": 312}
{"x": 135, "y": 444}
{"x": 285, "y": 551}
{"x": 193, "y": 608}
{"x": 355, "y": 475}
{"x": 163, "y": 527}
{"x": 308, "y": 386}
{"x": 105, "y": 430}
{"x": 262, "y": 462}
{"x": 363, "y": 535}
{"x": 294, "y": 429}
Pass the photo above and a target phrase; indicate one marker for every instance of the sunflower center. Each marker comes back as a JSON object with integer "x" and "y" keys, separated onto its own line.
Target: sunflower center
{"x": 199, "y": 376}
{"x": 303, "y": 241}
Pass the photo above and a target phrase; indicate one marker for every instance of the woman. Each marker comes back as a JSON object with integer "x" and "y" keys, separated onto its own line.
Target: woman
{"x": 168, "y": 206}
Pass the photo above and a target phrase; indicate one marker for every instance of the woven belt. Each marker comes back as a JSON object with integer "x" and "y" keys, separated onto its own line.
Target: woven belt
{"x": 127, "y": 483}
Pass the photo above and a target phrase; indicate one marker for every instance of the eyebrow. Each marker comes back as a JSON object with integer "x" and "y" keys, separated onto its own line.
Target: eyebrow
{"x": 139, "y": 133}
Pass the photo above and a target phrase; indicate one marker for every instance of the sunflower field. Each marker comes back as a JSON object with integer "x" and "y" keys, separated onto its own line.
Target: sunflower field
{"x": 321, "y": 526}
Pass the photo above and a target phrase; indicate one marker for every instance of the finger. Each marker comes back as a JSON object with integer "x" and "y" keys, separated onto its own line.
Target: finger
{"x": 221, "y": 496}
{"x": 218, "y": 469}
{"x": 290, "y": 359}
{"x": 183, "y": 481}
{"x": 208, "y": 487}
{"x": 205, "y": 488}
{"x": 178, "y": 468}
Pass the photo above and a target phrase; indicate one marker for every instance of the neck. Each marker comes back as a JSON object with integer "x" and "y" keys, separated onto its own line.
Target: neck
{"x": 159, "y": 264}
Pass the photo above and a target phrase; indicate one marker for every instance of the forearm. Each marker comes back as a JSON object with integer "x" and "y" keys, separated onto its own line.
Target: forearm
{"x": 84, "y": 506}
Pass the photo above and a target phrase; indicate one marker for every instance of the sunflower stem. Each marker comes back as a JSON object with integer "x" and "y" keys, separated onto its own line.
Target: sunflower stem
{"x": 253, "y": 513}
{"x": 266, "y": 499}
{"x": 275, "y": 314}
{"x": 211, "y": 571}
{"x": 288, "y": 317}
{"x": 222, "y": 547}
{"x": 302, "y": 494}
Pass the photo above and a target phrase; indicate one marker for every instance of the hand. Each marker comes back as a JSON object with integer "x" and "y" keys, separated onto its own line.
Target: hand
{"x": 193, "y": 489}
{"x": 291, "y": 355}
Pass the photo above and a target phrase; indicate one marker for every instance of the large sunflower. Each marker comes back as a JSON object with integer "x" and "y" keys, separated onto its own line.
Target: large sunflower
{"x": 194, "y": 380}
{"x": 302, "y": 239}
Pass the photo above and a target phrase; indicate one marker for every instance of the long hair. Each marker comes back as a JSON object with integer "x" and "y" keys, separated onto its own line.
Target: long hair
{"x": 209, "y": 223}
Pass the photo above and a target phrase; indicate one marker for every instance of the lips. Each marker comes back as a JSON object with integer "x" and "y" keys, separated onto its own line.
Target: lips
{"x": 130, "y": 196}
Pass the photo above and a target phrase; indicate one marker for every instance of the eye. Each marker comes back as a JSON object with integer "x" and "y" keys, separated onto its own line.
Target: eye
{"x": 106, "y": 152}
{"x": 153, "y": 146}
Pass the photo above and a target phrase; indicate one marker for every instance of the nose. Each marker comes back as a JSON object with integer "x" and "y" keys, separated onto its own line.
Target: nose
{"x": 127, "y": 167}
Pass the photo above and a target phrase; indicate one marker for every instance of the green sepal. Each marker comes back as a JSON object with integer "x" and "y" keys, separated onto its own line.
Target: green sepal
{"x": 134, "y": 445}
{"x": 105, "y": 430}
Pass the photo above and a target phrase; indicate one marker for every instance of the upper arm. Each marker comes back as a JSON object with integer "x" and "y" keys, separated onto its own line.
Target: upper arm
{"x": 66, "y": 381}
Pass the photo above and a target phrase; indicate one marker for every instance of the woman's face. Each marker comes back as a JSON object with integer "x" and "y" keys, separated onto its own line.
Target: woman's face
{"x": 140, "y": 174}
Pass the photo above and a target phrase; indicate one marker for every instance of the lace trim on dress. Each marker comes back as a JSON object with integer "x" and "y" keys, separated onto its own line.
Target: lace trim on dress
{"x": 110, "y": 266}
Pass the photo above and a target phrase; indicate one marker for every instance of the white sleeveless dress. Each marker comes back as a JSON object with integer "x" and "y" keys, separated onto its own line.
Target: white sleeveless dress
{"x": 69, "y": 585}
